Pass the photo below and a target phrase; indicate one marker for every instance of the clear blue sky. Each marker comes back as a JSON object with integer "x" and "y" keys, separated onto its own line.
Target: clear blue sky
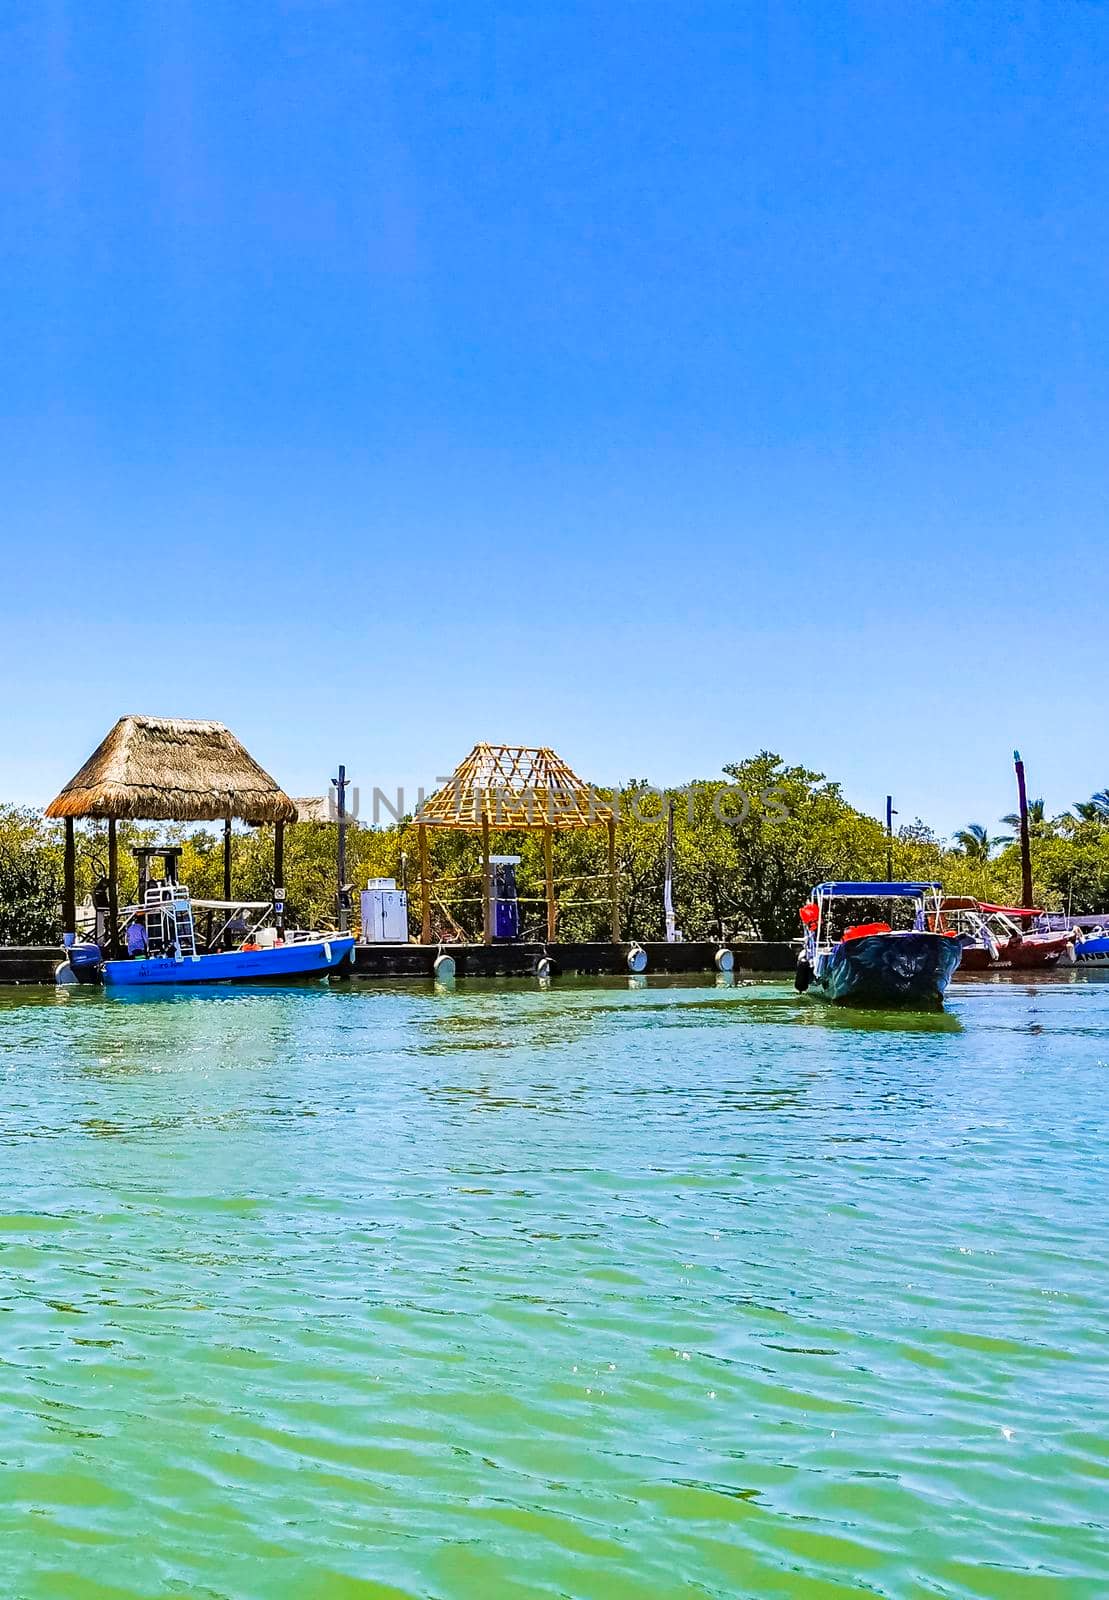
{"x": 655, "y": 381}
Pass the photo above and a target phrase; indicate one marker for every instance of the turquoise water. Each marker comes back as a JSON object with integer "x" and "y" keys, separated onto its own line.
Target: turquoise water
{"x": 592, "y": 1292}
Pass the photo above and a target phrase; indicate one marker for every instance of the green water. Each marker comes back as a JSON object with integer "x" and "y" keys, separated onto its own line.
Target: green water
{"x": 592, "y": 1292}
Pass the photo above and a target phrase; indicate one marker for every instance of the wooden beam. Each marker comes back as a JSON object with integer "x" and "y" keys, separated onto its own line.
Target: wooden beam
{"x": 486, "y": 887}
{"x": 425, "y": 888}
{"x": 613, "y": 883}
{"x": 113, "y": 889}
{"x": 227, "y": 859}
{"x": 69, "y": 890}
{"x": 548, "y": 862}
{"x": 279, "y": 872}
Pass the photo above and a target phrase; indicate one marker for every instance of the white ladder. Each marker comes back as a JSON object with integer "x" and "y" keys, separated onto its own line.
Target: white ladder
{"x": 168, "y": 906}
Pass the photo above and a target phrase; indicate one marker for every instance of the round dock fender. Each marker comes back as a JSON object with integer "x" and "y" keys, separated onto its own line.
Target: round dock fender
{"x": 804, "y": 976}
{"x": 637, "y": 959}
{"x": 724, "y": 960}
{"x": 444, "y": 968}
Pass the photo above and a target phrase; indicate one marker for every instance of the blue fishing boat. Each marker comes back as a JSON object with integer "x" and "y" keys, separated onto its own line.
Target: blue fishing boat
{"x": 874, "y": 963}
{"x": 162, "y": 936}
{"x": 313, "y": 957}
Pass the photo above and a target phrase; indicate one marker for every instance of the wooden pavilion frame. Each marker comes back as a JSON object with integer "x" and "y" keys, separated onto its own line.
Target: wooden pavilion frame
{"x": 168, "y": 769}
{"x": 511, "y": 788}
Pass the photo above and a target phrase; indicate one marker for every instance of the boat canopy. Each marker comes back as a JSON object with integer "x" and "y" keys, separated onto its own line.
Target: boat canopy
{"x": 878, "y": 891}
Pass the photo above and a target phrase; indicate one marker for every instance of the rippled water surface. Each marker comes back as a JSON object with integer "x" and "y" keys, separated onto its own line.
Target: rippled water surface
{"x": 590, "y": 1292}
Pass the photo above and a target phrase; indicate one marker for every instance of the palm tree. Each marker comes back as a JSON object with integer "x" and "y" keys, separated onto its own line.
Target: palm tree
{"x": 975, "y": 842}
{"x": 1036, "y": 818}
{"x": 1095, "y": 809}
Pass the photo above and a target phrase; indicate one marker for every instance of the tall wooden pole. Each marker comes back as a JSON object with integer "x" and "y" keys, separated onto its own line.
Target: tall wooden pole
{"x": 889, "y": 838}
{"x": 548, "y": 863}
{"x": 613, "y": 883}
{"x": 69, "y": 889}
{"x": 113, "y": 889}
{"x": 1025, "y": 838}
{"x": 227, "y": 859}
{"x": 425, "y": 887}
{"x": 279, "y": 876}
{"x": 486, "y": 896}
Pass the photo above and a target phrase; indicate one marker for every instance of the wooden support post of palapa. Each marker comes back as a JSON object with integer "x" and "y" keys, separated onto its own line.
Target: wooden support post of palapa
{"x": 425, "y": 888}
{"x": 613, "y": 882}
{"x": 227, "y": 858}
{"x": 69, "y": 890}
{"x": 548, "y": 863}
{"x": 113, "y": 889}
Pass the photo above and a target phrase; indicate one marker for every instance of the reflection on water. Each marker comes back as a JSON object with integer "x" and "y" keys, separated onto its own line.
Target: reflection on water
{"x": 660, "y": 1288}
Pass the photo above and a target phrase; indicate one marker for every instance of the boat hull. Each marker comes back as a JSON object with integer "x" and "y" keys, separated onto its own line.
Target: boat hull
{"x": 976, "y": 958}
{"x": 888, "y": 969}
{"x": 1092, "y": 952}
{"x": 1034, "y": 950}
{"x": 313, "y": 958}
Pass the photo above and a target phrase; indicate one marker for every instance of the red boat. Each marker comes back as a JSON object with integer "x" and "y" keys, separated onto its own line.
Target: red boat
{"x": 993, "y": 938}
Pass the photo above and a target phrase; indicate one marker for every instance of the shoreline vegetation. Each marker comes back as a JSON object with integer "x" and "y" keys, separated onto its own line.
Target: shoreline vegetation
{"x": 733, "y": 875}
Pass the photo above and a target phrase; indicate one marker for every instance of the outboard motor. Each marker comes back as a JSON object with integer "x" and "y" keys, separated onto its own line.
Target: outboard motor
{"x": 87, "y": 962}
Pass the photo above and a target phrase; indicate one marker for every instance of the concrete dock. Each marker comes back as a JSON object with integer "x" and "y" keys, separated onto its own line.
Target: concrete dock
{"x": 415, "y": 962}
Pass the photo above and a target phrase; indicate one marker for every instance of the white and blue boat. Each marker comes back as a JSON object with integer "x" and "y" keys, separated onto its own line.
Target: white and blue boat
{"x": 167, "y": 951}
{"x": 874, "y": 963}
{"x": 1090, "y": 933}
{"x": 1091, "y": 949}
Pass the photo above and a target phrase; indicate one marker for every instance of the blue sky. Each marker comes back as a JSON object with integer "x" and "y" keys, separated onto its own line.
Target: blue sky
{"x": 659, "y": 382}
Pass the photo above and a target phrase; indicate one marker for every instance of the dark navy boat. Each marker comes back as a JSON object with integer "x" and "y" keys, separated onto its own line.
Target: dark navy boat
{"x": 872, "y": 963}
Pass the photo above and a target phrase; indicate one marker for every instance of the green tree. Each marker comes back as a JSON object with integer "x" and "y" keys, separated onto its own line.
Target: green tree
{"x": 1037, "y": 821}
{"x": 30, "y": 878}
{"x": 975, "y": 842}
{"x": 1095, "y": 809}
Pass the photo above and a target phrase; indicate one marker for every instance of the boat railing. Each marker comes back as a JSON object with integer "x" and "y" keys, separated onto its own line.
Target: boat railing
{"x": 824, "y": 937}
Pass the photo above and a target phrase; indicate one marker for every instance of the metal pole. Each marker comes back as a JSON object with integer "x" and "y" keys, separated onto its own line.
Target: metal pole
{"x": 279, "y": 876}
{"x": 340, "y": 784}
{"x": 890, "y": 814}
{"x": 668, "y": 879}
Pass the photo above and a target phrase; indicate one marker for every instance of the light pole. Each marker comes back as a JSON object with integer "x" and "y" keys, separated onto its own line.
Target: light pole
{"x": 340, "y": 784}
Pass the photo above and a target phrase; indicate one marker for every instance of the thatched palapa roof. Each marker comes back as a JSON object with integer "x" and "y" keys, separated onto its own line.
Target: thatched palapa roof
{"x": 165, "y": 769}
{"x": 514, "y": 786}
